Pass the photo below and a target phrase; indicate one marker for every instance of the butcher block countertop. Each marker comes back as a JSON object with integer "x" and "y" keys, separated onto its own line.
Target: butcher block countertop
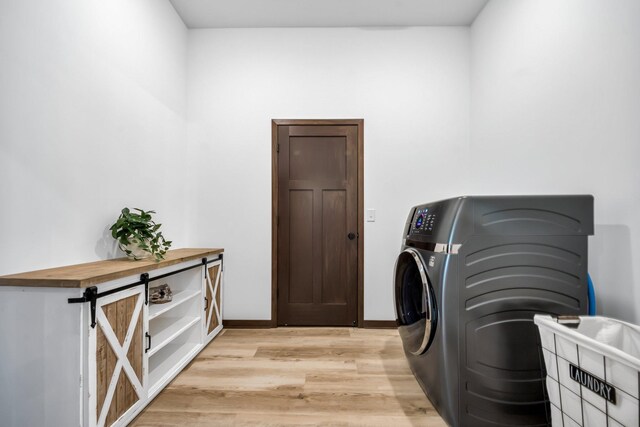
{"x": 94, "y": 273}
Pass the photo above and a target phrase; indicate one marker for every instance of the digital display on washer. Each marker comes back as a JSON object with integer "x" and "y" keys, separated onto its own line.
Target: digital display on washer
{"x": 421, "y": 216}
{"x": 424, "y": 220}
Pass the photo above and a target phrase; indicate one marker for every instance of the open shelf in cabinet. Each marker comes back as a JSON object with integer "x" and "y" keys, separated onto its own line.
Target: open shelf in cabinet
{"x": 169, "y": 360}
{"x": 185, "y": 286}
{"x": 156, "y": 310}
{"x": 166, "y": 329}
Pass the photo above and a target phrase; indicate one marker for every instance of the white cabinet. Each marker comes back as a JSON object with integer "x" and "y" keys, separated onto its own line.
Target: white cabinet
{"x": 98, "y": 357}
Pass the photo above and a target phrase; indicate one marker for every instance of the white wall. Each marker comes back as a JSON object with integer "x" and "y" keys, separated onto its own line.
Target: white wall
{"x": 540, "y": 96}
{"x": 556, "y": 109}
{"x": 410, "y": 85}
{"x": 92, "y": 118}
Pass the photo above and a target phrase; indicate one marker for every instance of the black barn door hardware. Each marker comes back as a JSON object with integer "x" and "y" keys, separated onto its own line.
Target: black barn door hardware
{"x": 91, "y": 294}
{"x": 144, "y": 278}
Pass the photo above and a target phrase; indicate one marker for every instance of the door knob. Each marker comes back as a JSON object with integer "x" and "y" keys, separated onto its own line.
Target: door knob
{"x": 351, "y": 236}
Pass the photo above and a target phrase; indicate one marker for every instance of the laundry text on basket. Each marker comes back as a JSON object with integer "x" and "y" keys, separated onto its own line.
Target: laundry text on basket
{"x": 593, "y": 383}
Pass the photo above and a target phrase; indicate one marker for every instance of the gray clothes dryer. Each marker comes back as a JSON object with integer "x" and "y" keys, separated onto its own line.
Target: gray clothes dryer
{"x": 471, "y": 274}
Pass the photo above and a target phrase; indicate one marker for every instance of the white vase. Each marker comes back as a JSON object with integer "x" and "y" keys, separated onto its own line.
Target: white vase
{"x": 136, "y": 252}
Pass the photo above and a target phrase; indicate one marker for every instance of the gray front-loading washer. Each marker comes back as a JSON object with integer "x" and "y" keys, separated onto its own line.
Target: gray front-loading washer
{"x": 471, "y": 274}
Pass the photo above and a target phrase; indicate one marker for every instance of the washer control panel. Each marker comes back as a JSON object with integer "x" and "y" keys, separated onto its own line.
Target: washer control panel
{"x": 424, "y": 220}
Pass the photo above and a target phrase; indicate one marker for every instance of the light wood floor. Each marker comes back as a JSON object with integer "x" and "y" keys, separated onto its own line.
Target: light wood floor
{"x": 295, "y": 376}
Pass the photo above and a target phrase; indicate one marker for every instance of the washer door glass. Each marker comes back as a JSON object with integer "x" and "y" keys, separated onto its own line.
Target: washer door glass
{"x": 415, "y": 302}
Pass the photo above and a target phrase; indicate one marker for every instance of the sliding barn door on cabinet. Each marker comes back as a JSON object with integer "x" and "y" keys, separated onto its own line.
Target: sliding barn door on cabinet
{"x": 117, "y": 362}
{"x": 212, "y": 300}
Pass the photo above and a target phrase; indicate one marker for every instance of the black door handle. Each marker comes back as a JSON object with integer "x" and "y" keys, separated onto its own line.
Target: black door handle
{"x": 351, "y": 236}
{"x": 149, "y": 338}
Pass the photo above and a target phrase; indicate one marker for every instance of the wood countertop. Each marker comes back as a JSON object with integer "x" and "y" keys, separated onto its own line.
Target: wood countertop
{"x": 94, "y": 273}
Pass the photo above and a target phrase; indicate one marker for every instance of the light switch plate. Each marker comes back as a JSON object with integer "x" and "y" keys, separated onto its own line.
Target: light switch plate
{"x": 371, "y": 215}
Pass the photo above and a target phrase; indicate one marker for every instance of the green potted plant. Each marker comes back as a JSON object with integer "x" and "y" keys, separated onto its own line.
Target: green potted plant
{"x": 138, "y": 235}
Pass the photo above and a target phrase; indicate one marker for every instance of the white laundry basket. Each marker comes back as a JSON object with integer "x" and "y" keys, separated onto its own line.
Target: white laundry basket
{"x": 593, "y": 370}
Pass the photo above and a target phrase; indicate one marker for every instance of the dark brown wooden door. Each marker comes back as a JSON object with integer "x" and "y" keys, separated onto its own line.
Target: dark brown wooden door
{"x": 317, "y": 225}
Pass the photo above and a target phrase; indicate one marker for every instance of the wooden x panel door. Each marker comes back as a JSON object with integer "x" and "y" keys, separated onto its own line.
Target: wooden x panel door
{"x": 117, "y": 363}
{"x": 213, "y": 299}
{"x": 318, "y": 225}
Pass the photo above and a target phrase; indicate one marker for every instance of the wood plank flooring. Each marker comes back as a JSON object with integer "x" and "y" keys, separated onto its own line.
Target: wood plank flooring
{"x": 295, "y": 377}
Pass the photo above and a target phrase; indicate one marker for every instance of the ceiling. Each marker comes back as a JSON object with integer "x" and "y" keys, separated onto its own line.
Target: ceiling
{"x": 326, "y": 13}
